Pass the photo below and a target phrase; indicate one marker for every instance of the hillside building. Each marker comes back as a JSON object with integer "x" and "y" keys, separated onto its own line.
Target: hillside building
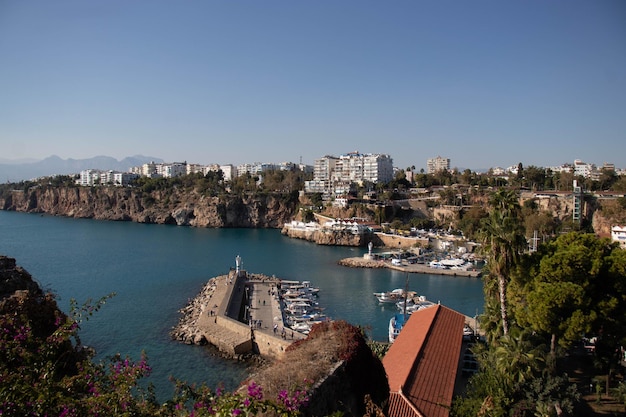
{"x": 618, "y": 234}
{"x": 336, "y": 175}
{"x": 437, "y": 164}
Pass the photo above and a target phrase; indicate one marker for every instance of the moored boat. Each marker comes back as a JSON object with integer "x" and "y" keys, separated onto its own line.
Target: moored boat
{"x": 395, "y": 326}
{"x": 394, "y": 296}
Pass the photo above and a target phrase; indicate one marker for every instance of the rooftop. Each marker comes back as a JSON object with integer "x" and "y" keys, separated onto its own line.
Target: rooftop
{"x": 423, "y": 362}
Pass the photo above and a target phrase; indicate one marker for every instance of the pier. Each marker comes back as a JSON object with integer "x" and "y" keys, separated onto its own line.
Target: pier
{"x": 238, "y": 313}
{"x": 362, "y": 262}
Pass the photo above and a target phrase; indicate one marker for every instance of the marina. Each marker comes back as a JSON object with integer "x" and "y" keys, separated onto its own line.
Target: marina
{"x": 408, "y": 302}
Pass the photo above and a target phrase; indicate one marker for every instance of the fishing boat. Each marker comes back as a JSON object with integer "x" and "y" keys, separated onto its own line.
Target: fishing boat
{"x": 395, "y": 325}
{"x": 299, "y": 304}
{"x": 414, "y": 304}
{"x": 394, "y": 296}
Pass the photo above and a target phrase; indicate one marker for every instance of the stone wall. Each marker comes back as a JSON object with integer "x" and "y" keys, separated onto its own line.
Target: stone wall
{"x": 401, "y": 242}
{"x": 270, "y": 346}
{"x": 328, "y": 237}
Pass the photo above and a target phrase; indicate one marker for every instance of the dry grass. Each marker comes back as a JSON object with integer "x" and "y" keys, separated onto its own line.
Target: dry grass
{"x": 309, "y": 362}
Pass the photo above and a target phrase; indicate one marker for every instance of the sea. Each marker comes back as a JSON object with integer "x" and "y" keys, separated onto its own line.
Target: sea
{"x": 154, "y": 270}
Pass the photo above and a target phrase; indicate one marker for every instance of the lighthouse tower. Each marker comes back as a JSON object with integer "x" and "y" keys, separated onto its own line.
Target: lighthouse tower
{"x": 237, "y": 265}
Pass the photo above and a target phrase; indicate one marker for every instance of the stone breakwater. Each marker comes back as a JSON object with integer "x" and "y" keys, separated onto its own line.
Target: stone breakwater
{"x": 187, "y": 330}
{"x": 405, "y": 267}
{"x": 362, "y": 263}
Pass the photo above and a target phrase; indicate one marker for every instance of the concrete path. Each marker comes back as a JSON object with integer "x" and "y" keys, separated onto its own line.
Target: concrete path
{"x": 266, "y": 312}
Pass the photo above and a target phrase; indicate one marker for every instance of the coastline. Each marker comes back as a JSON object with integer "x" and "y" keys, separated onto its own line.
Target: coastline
{"x": 360, "y": 262}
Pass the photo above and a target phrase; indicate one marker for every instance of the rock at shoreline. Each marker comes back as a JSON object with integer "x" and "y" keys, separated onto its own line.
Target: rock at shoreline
{"x": 186, "y": 330}
{"x": 361, "y": 263}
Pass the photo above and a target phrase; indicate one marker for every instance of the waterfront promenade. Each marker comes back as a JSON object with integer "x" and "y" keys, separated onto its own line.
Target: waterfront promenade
{"x": 361, "y": 262}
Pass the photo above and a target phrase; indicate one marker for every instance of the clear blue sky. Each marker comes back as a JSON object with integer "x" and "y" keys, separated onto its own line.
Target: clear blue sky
{"x": 484, "y": 83}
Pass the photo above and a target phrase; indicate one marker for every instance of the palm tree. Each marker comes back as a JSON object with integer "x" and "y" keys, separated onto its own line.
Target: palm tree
{"x": 518, "y": 358}
{"x": 503, "y": 240}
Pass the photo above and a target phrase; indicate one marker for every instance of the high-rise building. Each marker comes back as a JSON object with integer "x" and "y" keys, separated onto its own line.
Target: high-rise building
{"x": 331, "y": 172}
{"x": 437, "y": 164}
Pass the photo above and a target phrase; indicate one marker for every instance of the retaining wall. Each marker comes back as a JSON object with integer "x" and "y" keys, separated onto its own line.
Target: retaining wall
{"x": 395, "y": 241}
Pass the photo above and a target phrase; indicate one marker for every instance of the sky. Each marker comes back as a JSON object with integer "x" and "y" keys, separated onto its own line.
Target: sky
{"x": 484, "y": 83}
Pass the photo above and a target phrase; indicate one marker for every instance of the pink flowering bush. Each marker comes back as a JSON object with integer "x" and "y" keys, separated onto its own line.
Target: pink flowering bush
{"x": 45, "y": 371}
{"x": 201, "y": 402}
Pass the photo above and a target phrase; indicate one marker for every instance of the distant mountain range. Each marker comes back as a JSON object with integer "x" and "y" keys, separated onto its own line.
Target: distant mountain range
{"x": 14, "y": 171}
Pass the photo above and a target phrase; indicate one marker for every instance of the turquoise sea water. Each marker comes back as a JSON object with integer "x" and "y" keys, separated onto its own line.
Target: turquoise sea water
{"x": 155, "y": 269}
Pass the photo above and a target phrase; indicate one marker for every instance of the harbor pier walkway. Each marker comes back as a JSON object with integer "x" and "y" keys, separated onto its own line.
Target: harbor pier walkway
{"x": 244, "y": 314}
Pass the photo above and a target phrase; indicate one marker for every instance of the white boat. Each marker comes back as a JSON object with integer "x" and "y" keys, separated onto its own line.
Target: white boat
{"x": 299, "y": 308}
{"x": 301, "y": 327}
{"x": 451, "y": 263}
{"x": 303, "y": 287}
{"x": 395, "y": 326}
{"x": 393, "y": 296}
{"x": 468, "y": 332}
{"x": 414, "y": 304}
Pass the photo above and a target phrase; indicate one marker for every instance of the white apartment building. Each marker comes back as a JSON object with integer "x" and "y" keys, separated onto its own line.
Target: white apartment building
{"x": 377, "y": 168}
{"x": 124, "y": 178}
{"x": 583, "y": 169}
{"x": 91, "y": 177}
{"x": 227, "y": 171}
{"x": 618, "y": 234}
{"x": 332, "y": 174}
{"x": 324, "y": 167}
{"x": 437, "y": 164}
{"x": 175, "y": 169}
{"x": 150, "y": 169}
{"x": 195, "y": 169}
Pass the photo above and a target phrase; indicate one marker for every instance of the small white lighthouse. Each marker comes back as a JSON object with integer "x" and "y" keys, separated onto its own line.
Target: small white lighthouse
{"x": 237, "y": 264}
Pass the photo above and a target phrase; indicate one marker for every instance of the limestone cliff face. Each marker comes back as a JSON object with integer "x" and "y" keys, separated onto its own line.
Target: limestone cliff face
{"x": 327, "y": 237}
{"x": 161, "y": 207}
{"x": 22, "y": 298}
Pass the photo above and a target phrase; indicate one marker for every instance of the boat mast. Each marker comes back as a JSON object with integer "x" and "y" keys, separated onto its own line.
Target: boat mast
{"x": 406, "y": 293}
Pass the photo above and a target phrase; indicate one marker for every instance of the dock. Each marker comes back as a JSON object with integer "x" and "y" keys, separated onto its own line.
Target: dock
{"x": 238, "y": 313}
{"x": 362, "y": 262}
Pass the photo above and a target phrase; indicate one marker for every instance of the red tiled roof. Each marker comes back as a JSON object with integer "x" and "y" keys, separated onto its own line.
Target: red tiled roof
{"x": 422, "y": 363}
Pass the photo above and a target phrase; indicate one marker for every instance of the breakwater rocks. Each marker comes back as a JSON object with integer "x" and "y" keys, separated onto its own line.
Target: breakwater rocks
{"x": 362, "y": 263}
{"x": 188, "y": 330}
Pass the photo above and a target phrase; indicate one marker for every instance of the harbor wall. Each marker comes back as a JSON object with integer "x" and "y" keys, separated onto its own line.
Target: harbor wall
{"x": 396, "y": 241}
{"x": 270, "y": 346}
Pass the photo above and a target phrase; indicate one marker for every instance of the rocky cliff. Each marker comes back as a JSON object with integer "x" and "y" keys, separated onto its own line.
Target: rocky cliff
{"x": 23, "y": 304}
{"x": 328, "y": 237}
{"x": 171, "y": 206}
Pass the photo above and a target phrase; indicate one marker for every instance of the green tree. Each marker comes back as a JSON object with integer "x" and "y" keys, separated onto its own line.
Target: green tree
{"x": 534, "y": 177}
{"x": 577, "y": 285}
{"x": 470, "y": 221}
{"x": 503, "y": 241}
{"x": 558, "y": 309}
